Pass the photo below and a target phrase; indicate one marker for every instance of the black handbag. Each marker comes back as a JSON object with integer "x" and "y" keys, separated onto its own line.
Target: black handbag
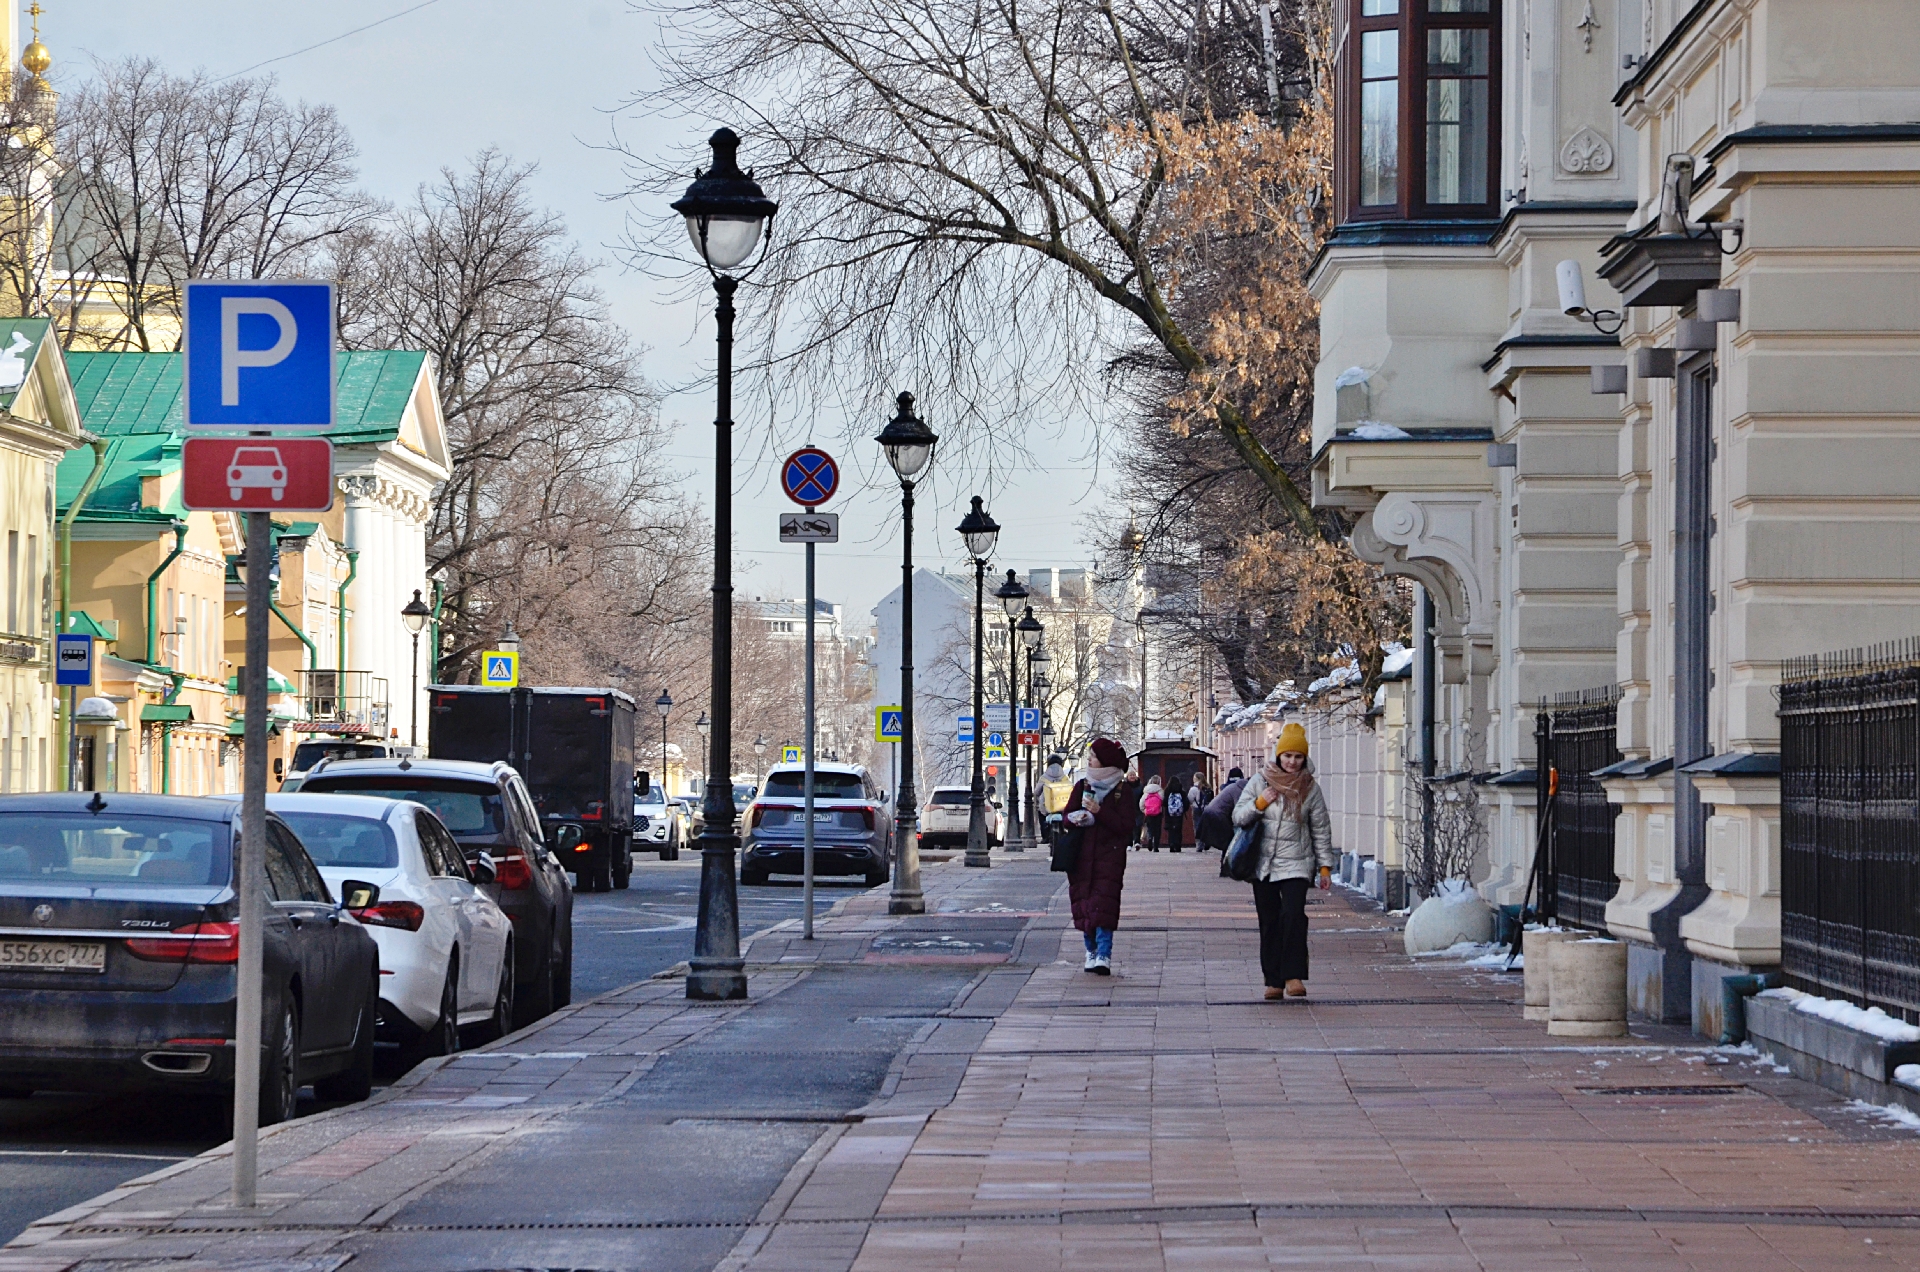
{"x": 1241, "y": 860}
{"x": 1066, "y": 849}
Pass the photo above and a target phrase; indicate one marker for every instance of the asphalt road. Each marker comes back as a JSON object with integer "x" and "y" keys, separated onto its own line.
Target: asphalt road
{"x": 58, "y": 1150}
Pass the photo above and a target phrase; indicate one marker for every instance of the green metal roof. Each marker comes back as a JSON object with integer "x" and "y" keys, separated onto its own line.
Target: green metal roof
{"x": 166, "y": 713}
{"x": 81, "y": 623}
{"x": 133, "y": 400}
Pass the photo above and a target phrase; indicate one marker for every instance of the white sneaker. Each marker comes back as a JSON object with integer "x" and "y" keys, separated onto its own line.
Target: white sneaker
{"x": 1091, "y": 963}
{"x": 1100, "y": 966}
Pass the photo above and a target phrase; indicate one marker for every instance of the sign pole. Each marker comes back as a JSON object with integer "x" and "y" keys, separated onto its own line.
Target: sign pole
{"x": 249, "y": 867}
{"x": 806, "y": 900}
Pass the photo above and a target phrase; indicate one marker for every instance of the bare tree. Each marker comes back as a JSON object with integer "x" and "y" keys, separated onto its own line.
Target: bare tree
{"x": 178, "y": 177}
{"x": 553, "y": 519}
{"x": 973, "y": 196}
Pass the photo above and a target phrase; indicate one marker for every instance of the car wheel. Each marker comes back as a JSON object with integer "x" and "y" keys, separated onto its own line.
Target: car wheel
{"x": 536, "y": 997}
{"x": 355, "y": 1082}
{"x": 442, "y": 1037}
{"x": 279, "y": 1068}
{"x": 563, "y": 974}
{"x": 671, "y": 852}
{"x": 500, "y": 1024}
{"x": 752, "y": 876}
{"x": 623, "y": 868}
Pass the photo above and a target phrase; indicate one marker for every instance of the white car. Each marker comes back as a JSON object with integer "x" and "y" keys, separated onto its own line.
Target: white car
{"x": 944, "y": 818}
{"x": 446, "y": 950}
{"x": 256, "y": 468}
{"x": 663, "y": 833}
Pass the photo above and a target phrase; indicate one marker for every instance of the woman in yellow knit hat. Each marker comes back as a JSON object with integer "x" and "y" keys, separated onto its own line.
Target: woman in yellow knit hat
{"x": 1296, "y": 843}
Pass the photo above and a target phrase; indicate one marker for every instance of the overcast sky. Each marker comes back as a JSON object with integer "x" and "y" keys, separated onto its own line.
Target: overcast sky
{"x": 434, "y": 85}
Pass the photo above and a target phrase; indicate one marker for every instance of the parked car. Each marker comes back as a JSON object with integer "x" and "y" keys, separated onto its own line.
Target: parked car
{"x": 487, "y": 810}
{"x": 119, "y": 945}
{"x": 445, "y": 946}
{"x": 945, "y": 816}
{"x": 656, "y": 822}
{"x": 743, "y": 793}
{"x": 852, "y": 832}
{"x": 311, "y": 752}
{"x": 685, "y": 808}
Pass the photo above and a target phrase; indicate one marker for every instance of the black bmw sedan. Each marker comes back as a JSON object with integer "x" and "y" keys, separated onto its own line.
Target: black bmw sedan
{"x": 119, "y": 946}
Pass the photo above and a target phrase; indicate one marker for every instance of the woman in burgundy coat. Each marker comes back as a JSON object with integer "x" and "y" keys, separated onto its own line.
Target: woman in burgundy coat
{"x": 1103, "y": 803}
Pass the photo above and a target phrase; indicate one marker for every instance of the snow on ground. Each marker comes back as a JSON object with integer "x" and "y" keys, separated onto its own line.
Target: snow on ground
{"x": 1476, "y": 954}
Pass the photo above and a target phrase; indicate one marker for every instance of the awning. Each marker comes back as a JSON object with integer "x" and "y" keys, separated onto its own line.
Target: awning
{"x": 166, "y": 713}
{"x": 276, "y": 683}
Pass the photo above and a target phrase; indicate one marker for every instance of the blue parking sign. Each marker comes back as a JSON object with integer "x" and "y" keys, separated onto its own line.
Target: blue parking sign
{"x": 258, "y": 353}
{"x": 1029, "y": 720}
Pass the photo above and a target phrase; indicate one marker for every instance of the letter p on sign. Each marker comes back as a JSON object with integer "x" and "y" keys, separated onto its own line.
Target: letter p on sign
{"x": 259, "y": 355}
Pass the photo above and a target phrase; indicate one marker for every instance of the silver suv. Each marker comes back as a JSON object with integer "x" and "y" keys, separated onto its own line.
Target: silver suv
{"x": 852, "y": 826}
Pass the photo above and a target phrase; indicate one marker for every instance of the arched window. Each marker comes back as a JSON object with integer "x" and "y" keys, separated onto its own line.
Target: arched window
{"x": 1420, "y": 110}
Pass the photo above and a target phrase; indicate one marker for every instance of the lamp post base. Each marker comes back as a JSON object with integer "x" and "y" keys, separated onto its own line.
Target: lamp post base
{"x": 717, "y": 981}
{"x": 903, "y": 903}
{"x": 980, "y": 857}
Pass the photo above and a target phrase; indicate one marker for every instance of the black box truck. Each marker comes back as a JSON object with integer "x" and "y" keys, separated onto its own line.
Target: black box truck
{"x": 573, "y": 748}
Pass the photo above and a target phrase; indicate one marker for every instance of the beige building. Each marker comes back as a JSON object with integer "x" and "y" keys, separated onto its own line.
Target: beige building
{"x": 1670, "y": 502}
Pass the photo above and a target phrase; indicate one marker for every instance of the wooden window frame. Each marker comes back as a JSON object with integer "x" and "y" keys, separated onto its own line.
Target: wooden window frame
{"x": 1413, "y": 21}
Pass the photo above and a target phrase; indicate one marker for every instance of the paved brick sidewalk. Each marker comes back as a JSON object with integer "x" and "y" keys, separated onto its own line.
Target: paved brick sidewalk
{"x": 1404, "y": 1117}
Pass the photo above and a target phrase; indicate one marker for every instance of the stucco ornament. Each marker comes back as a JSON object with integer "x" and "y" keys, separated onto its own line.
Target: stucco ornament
{"x": 1586, "y": 152}
{"x": 1586, "y": 26}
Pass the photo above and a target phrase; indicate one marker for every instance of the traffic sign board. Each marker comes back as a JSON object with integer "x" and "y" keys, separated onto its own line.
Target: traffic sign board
{"x": 966, "y": 728}
{"x": 810, "y": 476}
{"x": 888, "y": 724}
{"x": 260, "y": 474}
{"x": 499, "y": 669}
{"x": 791, "y": 755}
{"x": 999, "y": 716}
{"x": 1030, "y": 737}
{"x": 809, "y": 527}
{"x": 258, "y": 353}
{"x": 73, "y": 660}
{"x": 1029, "y": 719}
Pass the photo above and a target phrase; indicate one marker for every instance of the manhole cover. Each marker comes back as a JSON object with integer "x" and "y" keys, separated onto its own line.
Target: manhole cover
{"x": 1686, "y": 1088}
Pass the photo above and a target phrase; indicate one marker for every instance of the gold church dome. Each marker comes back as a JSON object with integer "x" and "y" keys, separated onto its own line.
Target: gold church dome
{"x": 36, "y": 58}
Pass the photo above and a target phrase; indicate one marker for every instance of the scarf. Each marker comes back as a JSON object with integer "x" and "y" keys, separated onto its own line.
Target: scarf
{"x": 1101, "y": 780}
{"x": 1293, "y": 787}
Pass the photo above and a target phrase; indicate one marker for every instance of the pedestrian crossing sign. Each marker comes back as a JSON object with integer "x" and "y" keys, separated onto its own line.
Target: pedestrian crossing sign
{"x": 996, "y": 746}
{"x": 791, "y": 755}
{"x": 888, "y": 726}
{"x": 499, "y": 669}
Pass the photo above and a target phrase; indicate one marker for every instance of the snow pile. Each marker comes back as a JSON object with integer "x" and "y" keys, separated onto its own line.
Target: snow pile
{"x": 1868, "y": 1020}
{"x": 1887, "y": 1112}
{"x": 1908, "y": 1075}
{"x": 1398, "y": 659}
{"x": 1378, "y": 431}
{"x": 1453, "y": 915}
{"x": 1477, "y": 954}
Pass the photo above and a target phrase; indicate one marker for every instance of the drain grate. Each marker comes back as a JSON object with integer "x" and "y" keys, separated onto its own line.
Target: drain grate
{"x": 1678, "y": 1088}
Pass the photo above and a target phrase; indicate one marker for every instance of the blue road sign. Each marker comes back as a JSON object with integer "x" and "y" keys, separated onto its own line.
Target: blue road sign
{"x": 73, "y": 660}
{"x": 499, "y": 668}
{"x": 1029, "y": 720}
{"x": 889, "y": 724}
{"x": 810, "y": 476}
{"x": 966, "y": 728}
{"x": 258, "y": 353}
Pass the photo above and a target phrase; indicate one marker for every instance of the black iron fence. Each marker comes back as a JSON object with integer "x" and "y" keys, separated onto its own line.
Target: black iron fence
{"x": 1575, "y": 737}
{"x": 1850, "y": 826}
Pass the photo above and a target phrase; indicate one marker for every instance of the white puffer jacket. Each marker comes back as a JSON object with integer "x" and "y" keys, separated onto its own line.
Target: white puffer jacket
{"x": 1290, "y": 848}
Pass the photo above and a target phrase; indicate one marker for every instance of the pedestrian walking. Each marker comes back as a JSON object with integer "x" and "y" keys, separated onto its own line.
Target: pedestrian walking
{"x": 1102, "y": 806}
{"x": 1153, "y": 809}
{"x": 1213, "y": 827}
{"x": 1176, "y": 823}
{"x": 1296, "y": 844}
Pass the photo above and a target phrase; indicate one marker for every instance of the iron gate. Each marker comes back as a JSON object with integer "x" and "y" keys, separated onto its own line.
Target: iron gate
{"x": 1575, "y": 737}
{"x": 1850, "y": 826}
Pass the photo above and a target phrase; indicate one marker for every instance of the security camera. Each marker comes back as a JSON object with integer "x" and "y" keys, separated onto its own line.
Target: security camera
{"x": 1573, "y": 289}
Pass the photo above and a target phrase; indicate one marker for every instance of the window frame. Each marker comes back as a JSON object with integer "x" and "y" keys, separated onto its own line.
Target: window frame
{"x": 1412, "y": 21}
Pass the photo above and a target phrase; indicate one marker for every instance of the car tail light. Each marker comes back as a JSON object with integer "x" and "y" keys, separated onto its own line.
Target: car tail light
{"x": 194, "y": 943}
{"x": 511, "y": 872}
{"x": 393, "y": 914}
{"x": 867, "y": 813}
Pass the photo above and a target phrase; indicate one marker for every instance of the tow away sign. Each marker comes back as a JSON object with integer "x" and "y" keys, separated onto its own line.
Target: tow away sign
{"x": 257, "y": 474}
{"x": 809, "y": 527}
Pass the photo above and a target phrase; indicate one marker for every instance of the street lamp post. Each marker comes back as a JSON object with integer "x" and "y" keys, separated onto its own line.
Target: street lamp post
{"x": 415, "y": 615}
{"x": 727, "y": 214}
{"x": 664, "y": 705}
{"x": 908, "y": 444}
{"x": 980, "y": 531}
{"x": 1031, "y": 630}
{"x": 1012, "y": 594}
{"x": 759, "y": 768}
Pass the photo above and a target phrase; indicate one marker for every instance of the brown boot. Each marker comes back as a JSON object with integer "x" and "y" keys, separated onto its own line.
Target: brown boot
{"x": 1273, "y": 992}
{"x": 1296, "y": 989}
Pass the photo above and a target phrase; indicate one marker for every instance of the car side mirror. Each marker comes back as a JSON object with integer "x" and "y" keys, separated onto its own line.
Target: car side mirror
{"x": 568, "y": 837}
{"x": 481, "y": 864}
{"x": 356, "y": 894}
{"x": 279, "y": 769}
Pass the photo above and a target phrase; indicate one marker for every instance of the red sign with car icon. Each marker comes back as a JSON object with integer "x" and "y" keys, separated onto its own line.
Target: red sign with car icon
{"x": 262, "y": 474}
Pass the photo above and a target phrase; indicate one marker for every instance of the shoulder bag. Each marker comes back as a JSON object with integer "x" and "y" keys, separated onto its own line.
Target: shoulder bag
{"x": 1066, "y": 846}
{"x": 1242, "y": 858}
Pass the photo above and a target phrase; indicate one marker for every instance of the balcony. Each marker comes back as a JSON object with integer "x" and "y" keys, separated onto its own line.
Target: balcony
{"x": 344, "y": 702}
